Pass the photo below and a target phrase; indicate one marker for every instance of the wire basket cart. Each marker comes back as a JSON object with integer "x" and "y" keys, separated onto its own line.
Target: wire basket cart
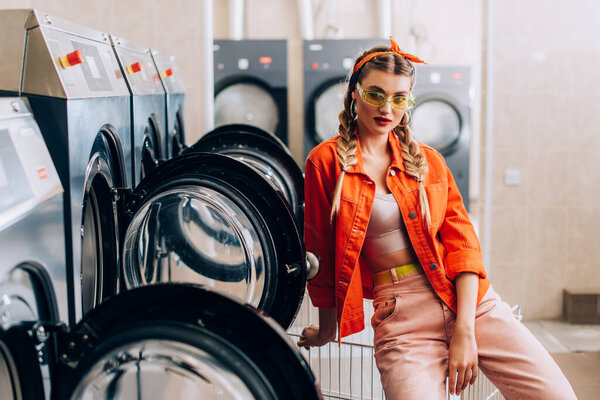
{"x": 349, "y": 371}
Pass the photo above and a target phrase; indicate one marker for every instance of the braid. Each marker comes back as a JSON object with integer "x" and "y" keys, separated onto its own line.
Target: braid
{"x": 414, "y": 162}
{"x": 346, "y": 149}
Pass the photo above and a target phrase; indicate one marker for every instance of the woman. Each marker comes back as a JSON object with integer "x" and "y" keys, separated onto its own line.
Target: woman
{"x": 387, "y": 221}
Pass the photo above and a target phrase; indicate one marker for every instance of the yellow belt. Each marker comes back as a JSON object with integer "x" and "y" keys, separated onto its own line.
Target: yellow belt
{"x": 388, "y": 276}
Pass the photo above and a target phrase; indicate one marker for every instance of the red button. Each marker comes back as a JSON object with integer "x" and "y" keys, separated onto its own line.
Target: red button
{"x": 137, "y": 67}
{"x": 314, "y": 65}
{"x": 265, "y": 60}
{"x": 75, "y": 58}
{"x": 169, "y": 72}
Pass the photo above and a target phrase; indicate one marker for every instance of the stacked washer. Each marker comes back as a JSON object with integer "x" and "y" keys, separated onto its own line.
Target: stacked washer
{"x": 327, "y": 64}
{"x": 81, "y": 103}
{"x": 148, "y": 112}
{"x": 175, "y": 102}
{"x": 442, "y": 117}
{"x": 251, "y": 84}
{"x": 33, "y": 287}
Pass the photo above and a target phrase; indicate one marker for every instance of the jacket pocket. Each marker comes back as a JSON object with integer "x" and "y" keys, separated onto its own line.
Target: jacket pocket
{"x": 385, "y": 309}
{"x": 437, "y": 193}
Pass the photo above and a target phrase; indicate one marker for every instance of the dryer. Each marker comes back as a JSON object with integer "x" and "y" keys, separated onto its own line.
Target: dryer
{"x": 174, "y": 102}
{"x": 327, "y": 64}
{"x": 251, "y": 84}
{"x": 148, "y": 111}
{"x": 442, "y": 117}
{"x": 82, "y": 106}
{"x": 33, "y": 281}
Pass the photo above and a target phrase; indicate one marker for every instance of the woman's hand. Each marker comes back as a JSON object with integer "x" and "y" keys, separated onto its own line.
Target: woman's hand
{"x": 313, "y": 336}
{"x": 462, "y": 361}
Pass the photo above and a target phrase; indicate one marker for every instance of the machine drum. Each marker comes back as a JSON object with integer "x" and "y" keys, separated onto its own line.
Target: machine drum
{"x": 173, "y": 341}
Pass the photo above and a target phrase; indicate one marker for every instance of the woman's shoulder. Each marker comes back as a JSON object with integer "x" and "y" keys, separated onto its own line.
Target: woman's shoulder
{"x": 431, "y": 154}
{"x": 324, "y": 154}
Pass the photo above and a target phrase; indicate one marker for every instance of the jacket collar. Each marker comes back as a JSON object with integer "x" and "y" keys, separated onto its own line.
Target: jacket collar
{"x": 395, "y": 145}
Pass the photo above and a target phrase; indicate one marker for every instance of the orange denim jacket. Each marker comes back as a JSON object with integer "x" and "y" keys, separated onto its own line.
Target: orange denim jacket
{"x": 446, "y": 249}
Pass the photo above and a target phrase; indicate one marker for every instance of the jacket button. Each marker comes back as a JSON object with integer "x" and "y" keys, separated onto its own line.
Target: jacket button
{"x": 432, "y": 266}
{"x": 412, "y": 215}
{"x": 392, "y": 172}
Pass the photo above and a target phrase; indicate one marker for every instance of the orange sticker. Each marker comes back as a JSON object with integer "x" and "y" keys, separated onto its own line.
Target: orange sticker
{"x": 42, "y": 173}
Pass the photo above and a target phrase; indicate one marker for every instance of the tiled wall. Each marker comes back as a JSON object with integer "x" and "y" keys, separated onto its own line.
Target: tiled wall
{"x": 546, "y": 125}
{"x": 546, "y": 102}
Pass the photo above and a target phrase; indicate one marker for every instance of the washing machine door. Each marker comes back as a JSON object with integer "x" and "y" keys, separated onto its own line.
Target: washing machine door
{"x": 247, "y": 101}
{"x": 437, "y": 122}
{"x": 174, "y": 341}
{"x": 326, "y": 104}
{"x": 20, "y": 373}
{"x": 213, "y": 220}
{"x": 249, "y": 129}
{"x": 259, "y": 149}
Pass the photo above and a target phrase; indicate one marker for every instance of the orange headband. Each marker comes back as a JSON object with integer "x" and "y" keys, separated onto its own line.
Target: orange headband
{"x": 395, "y": 50}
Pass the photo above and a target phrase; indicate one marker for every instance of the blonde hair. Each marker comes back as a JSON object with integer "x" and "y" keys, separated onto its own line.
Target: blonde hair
{"x": 414, "y": 161}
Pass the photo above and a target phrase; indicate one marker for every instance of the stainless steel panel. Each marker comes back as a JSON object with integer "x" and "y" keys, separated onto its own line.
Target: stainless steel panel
{"x": 175, "y": 100}
{"x": 27, "y": 154}
{"x": 12, "y": 48}
{"x": 82, "y": 132}
{"x": 99, "y": 74}
{"x": 172, "y": 83}
{"x": 144, "y": 106}
{"x": 147, "y": 80}
{"x": 32, "y": 231}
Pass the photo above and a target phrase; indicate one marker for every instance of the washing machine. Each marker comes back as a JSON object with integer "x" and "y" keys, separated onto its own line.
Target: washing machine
{"x": 33, "y": 282}
{"x": 263, "y": 151}
{"x": 155, "y": 342}
{"x": 251, "y": 84}
{"x": 327, "y": 65}
{"x": 82, "y": 105}
{"x": 148, "y": 111}
{"x": 442, "y": 117}
{"x": 180, "y": 342}
{"x": 172, "y": 82}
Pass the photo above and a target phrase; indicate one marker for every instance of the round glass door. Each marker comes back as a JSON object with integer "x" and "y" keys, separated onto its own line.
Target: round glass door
{"x": 436, "y": 123}
{"x": 174, "y": 341}
{"x": 198, "y": 235}
{"x": 246, "y": 103}
{"x": 328, "y": 105}
{"x": 160, "y": 369}
{"x": 212, "y": 220}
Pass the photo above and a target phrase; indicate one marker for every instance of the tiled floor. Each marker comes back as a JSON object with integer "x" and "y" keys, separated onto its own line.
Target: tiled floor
{"x": 576, "y": 349}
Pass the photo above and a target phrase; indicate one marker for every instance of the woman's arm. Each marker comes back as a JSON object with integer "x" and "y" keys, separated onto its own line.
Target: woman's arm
{"x": 462, "y": 361}
{"x": 320, "y": 335}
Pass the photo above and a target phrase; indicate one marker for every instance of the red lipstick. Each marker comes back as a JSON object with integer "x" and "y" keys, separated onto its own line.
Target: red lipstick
{"x": 382, "y": 121}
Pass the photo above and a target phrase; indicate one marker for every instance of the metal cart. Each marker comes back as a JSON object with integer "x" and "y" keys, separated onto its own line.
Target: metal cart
{"x": 349, "y": 372}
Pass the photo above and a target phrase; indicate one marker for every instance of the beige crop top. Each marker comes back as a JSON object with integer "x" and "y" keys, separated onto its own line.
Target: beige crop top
{"x": 386, "y": 232}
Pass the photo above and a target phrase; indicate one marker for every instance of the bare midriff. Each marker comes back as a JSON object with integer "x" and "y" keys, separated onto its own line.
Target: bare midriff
{"x": 387, "y": 244}
{"x": 391, "y": 260}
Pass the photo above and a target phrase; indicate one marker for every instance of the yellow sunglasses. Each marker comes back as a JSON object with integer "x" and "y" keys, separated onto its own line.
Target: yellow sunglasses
{"x": 378, "y": 99}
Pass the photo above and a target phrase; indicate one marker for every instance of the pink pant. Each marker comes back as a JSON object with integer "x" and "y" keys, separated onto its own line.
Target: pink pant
{"x": 413, "y": 328}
